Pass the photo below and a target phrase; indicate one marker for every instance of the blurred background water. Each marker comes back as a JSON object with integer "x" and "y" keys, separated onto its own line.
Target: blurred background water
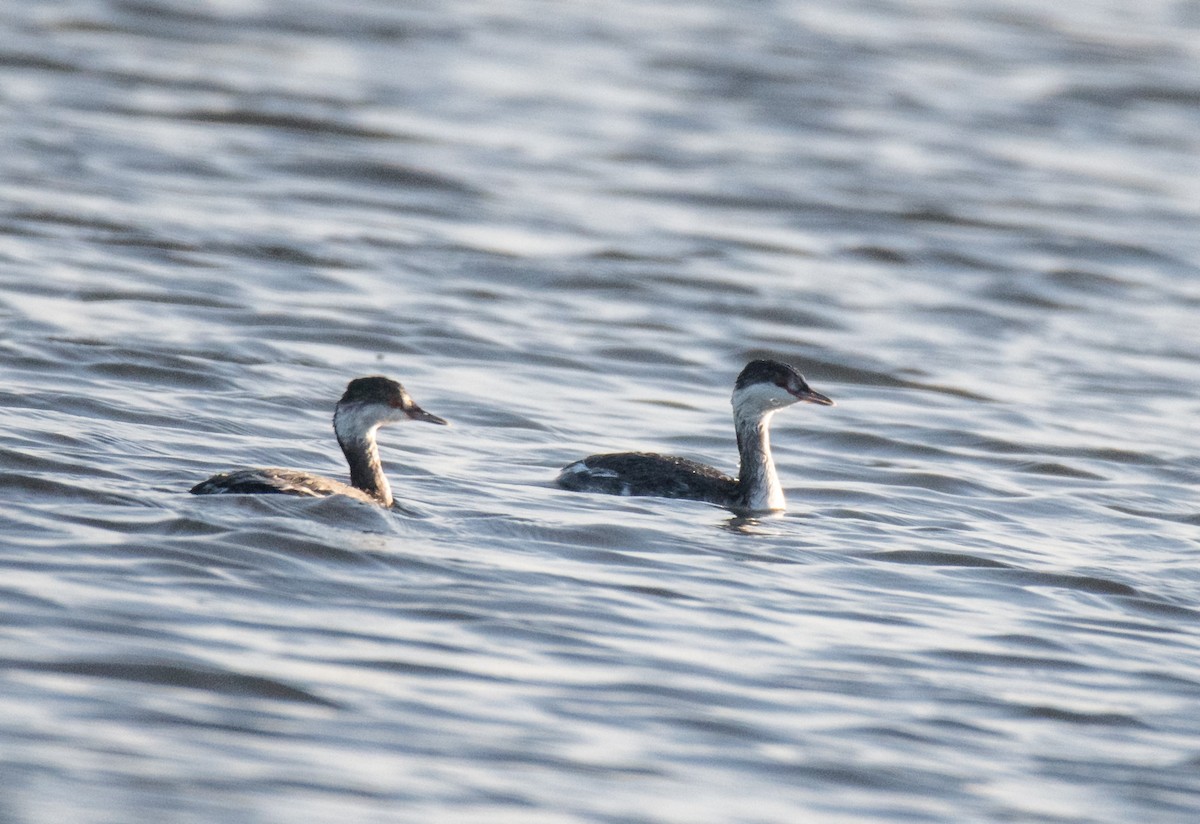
{"x": 565, "y": 227}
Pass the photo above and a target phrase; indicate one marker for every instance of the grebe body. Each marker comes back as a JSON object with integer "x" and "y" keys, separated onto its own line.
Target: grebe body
{"x": 367, "y": 404}
{"x": 762, "y": 389}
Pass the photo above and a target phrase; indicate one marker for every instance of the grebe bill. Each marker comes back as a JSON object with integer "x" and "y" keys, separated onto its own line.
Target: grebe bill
{"x": 762, "y": 389}
{"x": 367, "y": 404}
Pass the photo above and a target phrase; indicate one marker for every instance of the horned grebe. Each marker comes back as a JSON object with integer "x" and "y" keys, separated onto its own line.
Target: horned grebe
{"x": 367, "y": 404}
{"x": 762, "y": 389}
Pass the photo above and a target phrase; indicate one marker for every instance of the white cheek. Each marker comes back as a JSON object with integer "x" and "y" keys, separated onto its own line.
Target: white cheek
{"x": 764, "y": 396}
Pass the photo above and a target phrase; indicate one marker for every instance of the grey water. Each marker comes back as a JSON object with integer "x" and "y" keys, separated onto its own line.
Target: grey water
{"x": 565, "y": 227}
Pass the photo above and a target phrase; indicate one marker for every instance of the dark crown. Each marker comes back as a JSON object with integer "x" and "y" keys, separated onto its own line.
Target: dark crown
{"x": 375, "y": 389}
{"x": 767, "y": 371}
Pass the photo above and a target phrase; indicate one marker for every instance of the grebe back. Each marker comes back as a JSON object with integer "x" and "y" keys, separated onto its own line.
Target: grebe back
{"x": 367, "y": 404}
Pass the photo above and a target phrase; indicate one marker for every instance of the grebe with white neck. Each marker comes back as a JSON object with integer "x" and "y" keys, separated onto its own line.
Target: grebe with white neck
{"x": 762, "y": 389}
{"x": 367, "y": 404}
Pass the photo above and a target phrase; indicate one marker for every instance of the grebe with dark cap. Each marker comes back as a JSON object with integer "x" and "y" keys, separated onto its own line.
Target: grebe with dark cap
{"x": 762, "y": 389}
{"x": 366, "y": 405}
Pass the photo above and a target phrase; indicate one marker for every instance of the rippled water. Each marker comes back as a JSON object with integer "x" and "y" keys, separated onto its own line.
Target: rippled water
{"x": 566, "y": 227}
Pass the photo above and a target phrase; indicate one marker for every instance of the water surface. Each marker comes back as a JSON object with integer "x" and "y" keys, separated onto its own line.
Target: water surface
{"x": 566, "y": 228}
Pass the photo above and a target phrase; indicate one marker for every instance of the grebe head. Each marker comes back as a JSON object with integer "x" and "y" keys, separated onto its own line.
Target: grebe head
{"x": 373, "y": 402}
{"x": 766, "y": 385}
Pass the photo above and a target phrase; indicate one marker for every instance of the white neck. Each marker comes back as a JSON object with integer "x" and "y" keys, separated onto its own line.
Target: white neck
{"x": 355, "y": 428}
{"x": 753, "y": 408}
{"x": 758, "y": 482}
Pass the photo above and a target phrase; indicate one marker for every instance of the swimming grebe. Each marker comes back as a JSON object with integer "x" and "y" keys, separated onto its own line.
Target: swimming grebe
{"x": 762, "y": 389}
{"x": 367, "y": 404}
